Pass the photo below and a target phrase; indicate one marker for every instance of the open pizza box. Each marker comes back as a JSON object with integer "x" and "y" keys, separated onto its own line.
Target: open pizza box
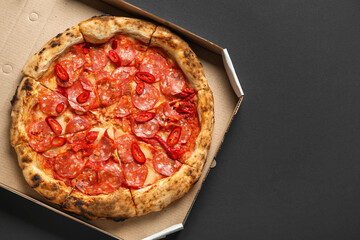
{"x": 26, "y": 25}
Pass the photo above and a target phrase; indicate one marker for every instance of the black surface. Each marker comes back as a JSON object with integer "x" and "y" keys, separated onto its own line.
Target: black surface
{"x": 289, "y": 167}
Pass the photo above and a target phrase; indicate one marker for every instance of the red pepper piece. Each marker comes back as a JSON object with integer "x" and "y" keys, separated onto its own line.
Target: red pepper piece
{"x": 137, "y": 153}
{"x": 54, "y": 125}
{"x": 191, "y": 96}
{"x": 83, "y": 97}
{"x": 58, "y": 141}
{"x": 114, "y": 57}
{"x": 182, "y": 95}
{"x": 145, "y": 76}
{"x": 60, "y": 107}
{"x": 61, "y": 73}
{"x": 189, "y": 90}
{"x": 140, "y": 88}
{"x": 174, "y": 136}
{"x": 173, "y": 153}
{"x": 81, "y": 48}
{"x": 144, "y": 116}
{"x": 114, "y": 44}
{"x": 91, "y": 136}
{"x": 185, "y": 108}
{"x": 61, "y": 90}
{"x": 106, "y": 134}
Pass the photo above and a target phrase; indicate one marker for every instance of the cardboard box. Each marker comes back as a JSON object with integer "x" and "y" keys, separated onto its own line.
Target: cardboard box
{"x": 26, "y": 25}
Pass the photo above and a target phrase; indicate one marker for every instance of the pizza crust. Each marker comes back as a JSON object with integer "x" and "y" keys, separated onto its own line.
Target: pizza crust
{"x": 203, "y": 141}
{"x": 53, "y": 190}
{"x": 159, "y": 195}
{"x": 180, "y": 51}
{"x": 25, "y": 99}
{"x": 117, "y": 205}
{"x": 39, "y": 63}
{"x": 100, "y": 29}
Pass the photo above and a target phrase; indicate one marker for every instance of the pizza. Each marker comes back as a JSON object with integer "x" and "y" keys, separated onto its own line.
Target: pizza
{"x": 113, "y": 118}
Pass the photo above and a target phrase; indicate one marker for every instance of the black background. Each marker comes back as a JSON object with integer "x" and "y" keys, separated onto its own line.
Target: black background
{"x": 289, "y": 167}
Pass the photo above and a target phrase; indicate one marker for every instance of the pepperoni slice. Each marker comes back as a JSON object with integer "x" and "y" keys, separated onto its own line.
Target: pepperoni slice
{"x": 103, "y": 150}
{"x": 123, "y": 108}
{"x": 91, "y": 136}
{"x": 68, "y": 164}
{"x": 96, "y": 59}
{"x": 166, "y": 115}
{"x": 185, "y": 133}
{"x": 173, "y": 83}
{"x": 108, "y": 91}
{"x": 52, "y": 103}
{"x": 155, "y": 64}
{"x": 111, "y": 174}
{"x": 165, "y": 165}
{"x": 147, "y": 99}
{"x": 87, "y": 179}
{"x": 125, "y": 50}
{"x": 40, "y": 135}
{"x": 122, "y": 73}
{"x": 145, "y": 129}
{"x": 123, "y": 146}
{"x": 92, "y": 182}
{"x": 77, "y": 124}
{"x": 76, "y": 137}
{"x": 135, "y": 174}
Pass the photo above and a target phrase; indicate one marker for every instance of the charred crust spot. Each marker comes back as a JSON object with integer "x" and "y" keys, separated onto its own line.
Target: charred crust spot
{"x": 26, "y": 160}
{"x": 54, "y": 44}
{"x": 79, "y": 203}
{"x": 27, "y": 85}
{"x": 36, "y": 179}
{"x": 188, "y": 53}
{"x": 59, "y": 35}
{"x": 67, "y": 29}
{"x": 41, "y": 51}
{"x": 67, "y": 34}
{"x": 36, "y": 67}
{"x": 54, "y": 187}
{"x": 14, "y": 98}
{"x": 72, "y": 35}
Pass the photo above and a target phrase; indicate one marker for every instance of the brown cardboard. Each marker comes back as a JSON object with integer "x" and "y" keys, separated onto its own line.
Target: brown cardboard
{"x": 26, "y": 25}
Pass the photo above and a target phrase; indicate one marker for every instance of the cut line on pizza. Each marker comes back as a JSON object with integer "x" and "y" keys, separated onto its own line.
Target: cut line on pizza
{"x": 113, "y": 118}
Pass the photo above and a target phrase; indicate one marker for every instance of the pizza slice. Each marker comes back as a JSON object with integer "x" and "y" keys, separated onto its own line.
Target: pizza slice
{"x": 100, "y": 189}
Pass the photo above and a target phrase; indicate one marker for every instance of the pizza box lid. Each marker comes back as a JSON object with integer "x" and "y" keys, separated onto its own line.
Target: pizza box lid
{"x": 40, "y": 20}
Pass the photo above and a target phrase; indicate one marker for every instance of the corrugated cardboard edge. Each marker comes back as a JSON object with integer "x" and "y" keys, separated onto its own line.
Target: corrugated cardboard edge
{"x": 169, "y": 230}
{"x": 230, "y": 70}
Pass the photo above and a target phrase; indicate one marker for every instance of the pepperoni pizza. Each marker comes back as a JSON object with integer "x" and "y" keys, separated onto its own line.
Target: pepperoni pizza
{"x": 113, "y": 118}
